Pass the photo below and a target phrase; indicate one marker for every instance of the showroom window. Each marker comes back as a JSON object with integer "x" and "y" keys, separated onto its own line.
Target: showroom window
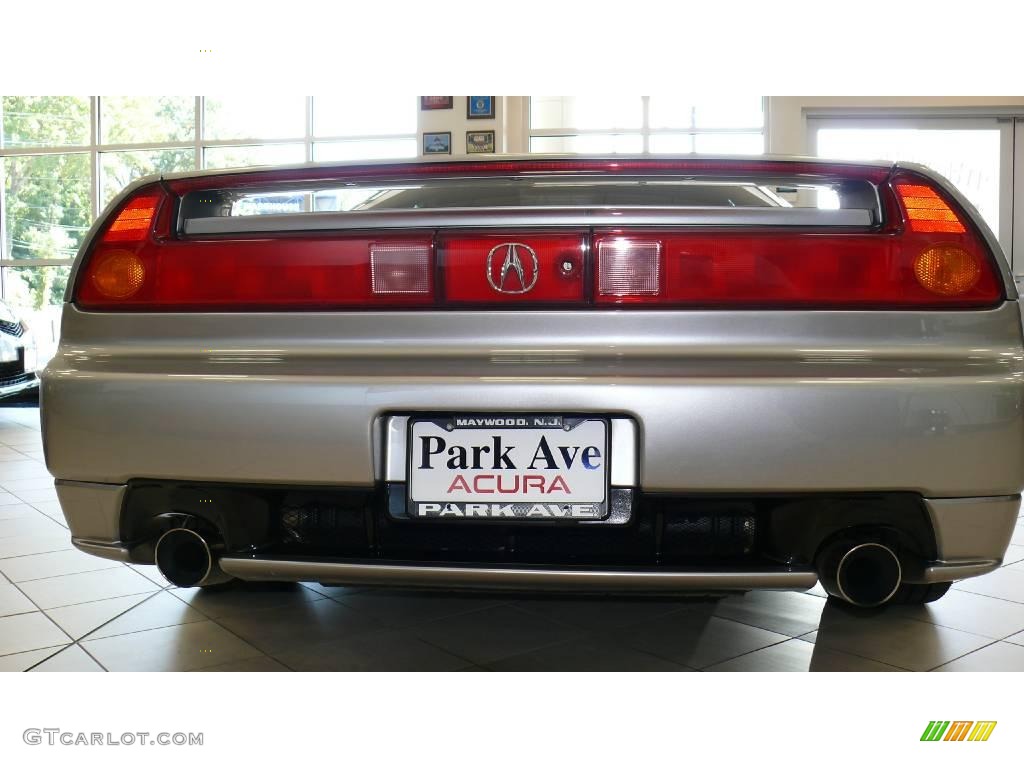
{"x": 980, "y": 154}
{"x": 63, "y": 158}
{"x": 651, "y": 124}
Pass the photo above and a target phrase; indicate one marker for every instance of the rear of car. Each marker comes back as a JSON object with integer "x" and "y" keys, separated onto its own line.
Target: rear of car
{"x": 544, "y": 373}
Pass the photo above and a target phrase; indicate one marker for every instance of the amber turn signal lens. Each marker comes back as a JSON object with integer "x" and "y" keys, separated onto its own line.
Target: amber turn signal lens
{"x": 947, "y": 270}
{"x": 118, "y": 274}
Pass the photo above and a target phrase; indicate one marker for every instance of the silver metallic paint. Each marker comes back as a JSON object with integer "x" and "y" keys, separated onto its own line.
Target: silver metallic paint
{"x": 724, "y": 401}
{"x": 512, "y": 578}
{"x": 968, "y": 529}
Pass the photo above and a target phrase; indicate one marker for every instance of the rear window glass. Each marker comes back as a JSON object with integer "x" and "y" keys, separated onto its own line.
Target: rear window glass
{"x": 511, "y": 193}
{"x": 537, "y": 192}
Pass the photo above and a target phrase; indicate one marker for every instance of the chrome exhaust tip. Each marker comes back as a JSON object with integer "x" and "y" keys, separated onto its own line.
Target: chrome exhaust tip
{"x": 861, "y": 572}
{"x": 186, "y": 559}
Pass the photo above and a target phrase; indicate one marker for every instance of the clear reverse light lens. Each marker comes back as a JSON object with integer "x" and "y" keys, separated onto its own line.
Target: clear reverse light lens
{"x": 400, "y": 268}
{"x": 629, "y": 267}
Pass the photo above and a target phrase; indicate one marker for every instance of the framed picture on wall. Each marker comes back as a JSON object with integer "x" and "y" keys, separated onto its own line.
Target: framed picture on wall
{"x": 479, "y": 107}
{"x": 479, "y": 142}
{"x": 437, "y": 143}
{"x": 436, "y": 102}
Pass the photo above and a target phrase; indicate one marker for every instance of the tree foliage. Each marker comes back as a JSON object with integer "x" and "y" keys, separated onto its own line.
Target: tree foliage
{"x": 47, "y": 196}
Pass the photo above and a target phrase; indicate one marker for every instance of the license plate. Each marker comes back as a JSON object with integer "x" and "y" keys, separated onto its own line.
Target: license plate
{"x": 508, "y": 467}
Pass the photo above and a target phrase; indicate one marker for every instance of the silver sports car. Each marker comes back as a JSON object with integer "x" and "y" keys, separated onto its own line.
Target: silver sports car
{"x": 603, "y": 374}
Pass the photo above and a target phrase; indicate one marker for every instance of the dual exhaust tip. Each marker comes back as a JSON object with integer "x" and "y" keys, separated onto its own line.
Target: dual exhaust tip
{"x": 187, "y": 557}
{"x": 861, "y": 571}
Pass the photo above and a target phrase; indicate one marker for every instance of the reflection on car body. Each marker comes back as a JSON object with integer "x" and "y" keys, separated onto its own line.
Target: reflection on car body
{"x": 545, "y": 373}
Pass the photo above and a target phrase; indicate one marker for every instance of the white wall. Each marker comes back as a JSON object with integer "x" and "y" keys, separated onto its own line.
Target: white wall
{"x": 786, "y": 119}
{"x": 787, "y": 115}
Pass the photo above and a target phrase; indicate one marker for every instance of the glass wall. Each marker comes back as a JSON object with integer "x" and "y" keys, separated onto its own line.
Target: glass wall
{"x": 653, "y": 124}
{"x": 974, "y": 153}
{"x": 63, "y": 158}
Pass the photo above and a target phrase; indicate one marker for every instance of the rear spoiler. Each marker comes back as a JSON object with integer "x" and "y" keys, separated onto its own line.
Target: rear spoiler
{"x": 531, "y": 217}
{"x": 200, "y": 203}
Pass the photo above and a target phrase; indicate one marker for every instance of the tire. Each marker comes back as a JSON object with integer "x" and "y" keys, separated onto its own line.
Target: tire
{"x": 919, "y": 594}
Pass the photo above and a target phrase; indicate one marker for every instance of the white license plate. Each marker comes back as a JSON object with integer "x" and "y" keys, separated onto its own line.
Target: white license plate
{"x": 508, "y": 467}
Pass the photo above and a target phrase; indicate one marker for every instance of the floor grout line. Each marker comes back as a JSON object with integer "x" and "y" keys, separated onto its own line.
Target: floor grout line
{"x": 45, "y": 616}
{"x": 963, "y": 655}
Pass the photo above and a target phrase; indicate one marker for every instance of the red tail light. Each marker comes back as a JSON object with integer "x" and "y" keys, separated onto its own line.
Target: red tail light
{"x": 930, "y": 257}
{"x": 927, "y": 253}
{"x": 136, "y": 264}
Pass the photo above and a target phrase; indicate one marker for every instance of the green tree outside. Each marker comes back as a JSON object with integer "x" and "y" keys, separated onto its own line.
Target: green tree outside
{"x": 47, "y": 197}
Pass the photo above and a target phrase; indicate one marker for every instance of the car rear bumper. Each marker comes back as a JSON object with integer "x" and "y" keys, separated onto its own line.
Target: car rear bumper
{"x": 926, "y": 402}
{"x": 971, "y": 537}
{"x": 739, "y": 404}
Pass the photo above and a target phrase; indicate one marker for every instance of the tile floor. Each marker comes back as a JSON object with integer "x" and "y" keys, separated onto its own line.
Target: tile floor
{"x": 61, "y": 610}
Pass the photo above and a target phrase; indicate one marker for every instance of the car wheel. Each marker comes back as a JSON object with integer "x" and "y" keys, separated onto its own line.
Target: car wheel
{"x": 919, "y": 594}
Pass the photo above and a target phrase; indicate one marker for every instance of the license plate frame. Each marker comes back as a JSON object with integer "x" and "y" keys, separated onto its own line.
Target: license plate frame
{"x": 466, "y": 505}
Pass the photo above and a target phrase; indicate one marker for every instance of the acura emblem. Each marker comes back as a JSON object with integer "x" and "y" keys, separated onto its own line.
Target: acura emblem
{"x": 517, "y": 270}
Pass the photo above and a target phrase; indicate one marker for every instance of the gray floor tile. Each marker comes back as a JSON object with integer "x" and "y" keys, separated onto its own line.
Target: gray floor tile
{"x": 26, "y": 483}
{"x": 13, "y": 601}
{"x": 32, "y": 495}
{"x": 588, "y": 654}
{"x": 86, "y": 587}
{"x": 600, "y": 613}
{"x": 52, "y": 510}
{"x": 404, "y": 609}
{"x": 800, "y": 656}
{"x": 966, "y": 611}
{"x": 276, "y": 630}
{"x": 20, "y": 662}
{"x": 788, "y": 613}
{"x": 334, "y": 591}
{"x": 893, "y": 639}
{"x": 28, "y": 631}
{"x": 152, "y": 573}
{"x": 1014, "y": 553}
{"x": 79, "y": 620}
{"x": 11, "y": 511}
{"x": 10, "y": 470}
{"x": 67, "y": 561}
{"x": 1004, "y": 583}
{"x": 16, "y": 546}
{"x": 170, "y": 649}
{"x": 696, "y": 638}
{"x": 245, "y": 597}
{"x": 1018, "y": 639}
{"x": 254, "y": 664}
{"x": 161, "y": 610}
{"x": 388, "y": 651}
{"x": 37, "y": 525}
{"x": 71, "y": 659}
{"x": 494, "y": 633}
{"x": 8, "y": 499}
{"x": 10, "y": 454}
{"x": 998, "y": 657}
